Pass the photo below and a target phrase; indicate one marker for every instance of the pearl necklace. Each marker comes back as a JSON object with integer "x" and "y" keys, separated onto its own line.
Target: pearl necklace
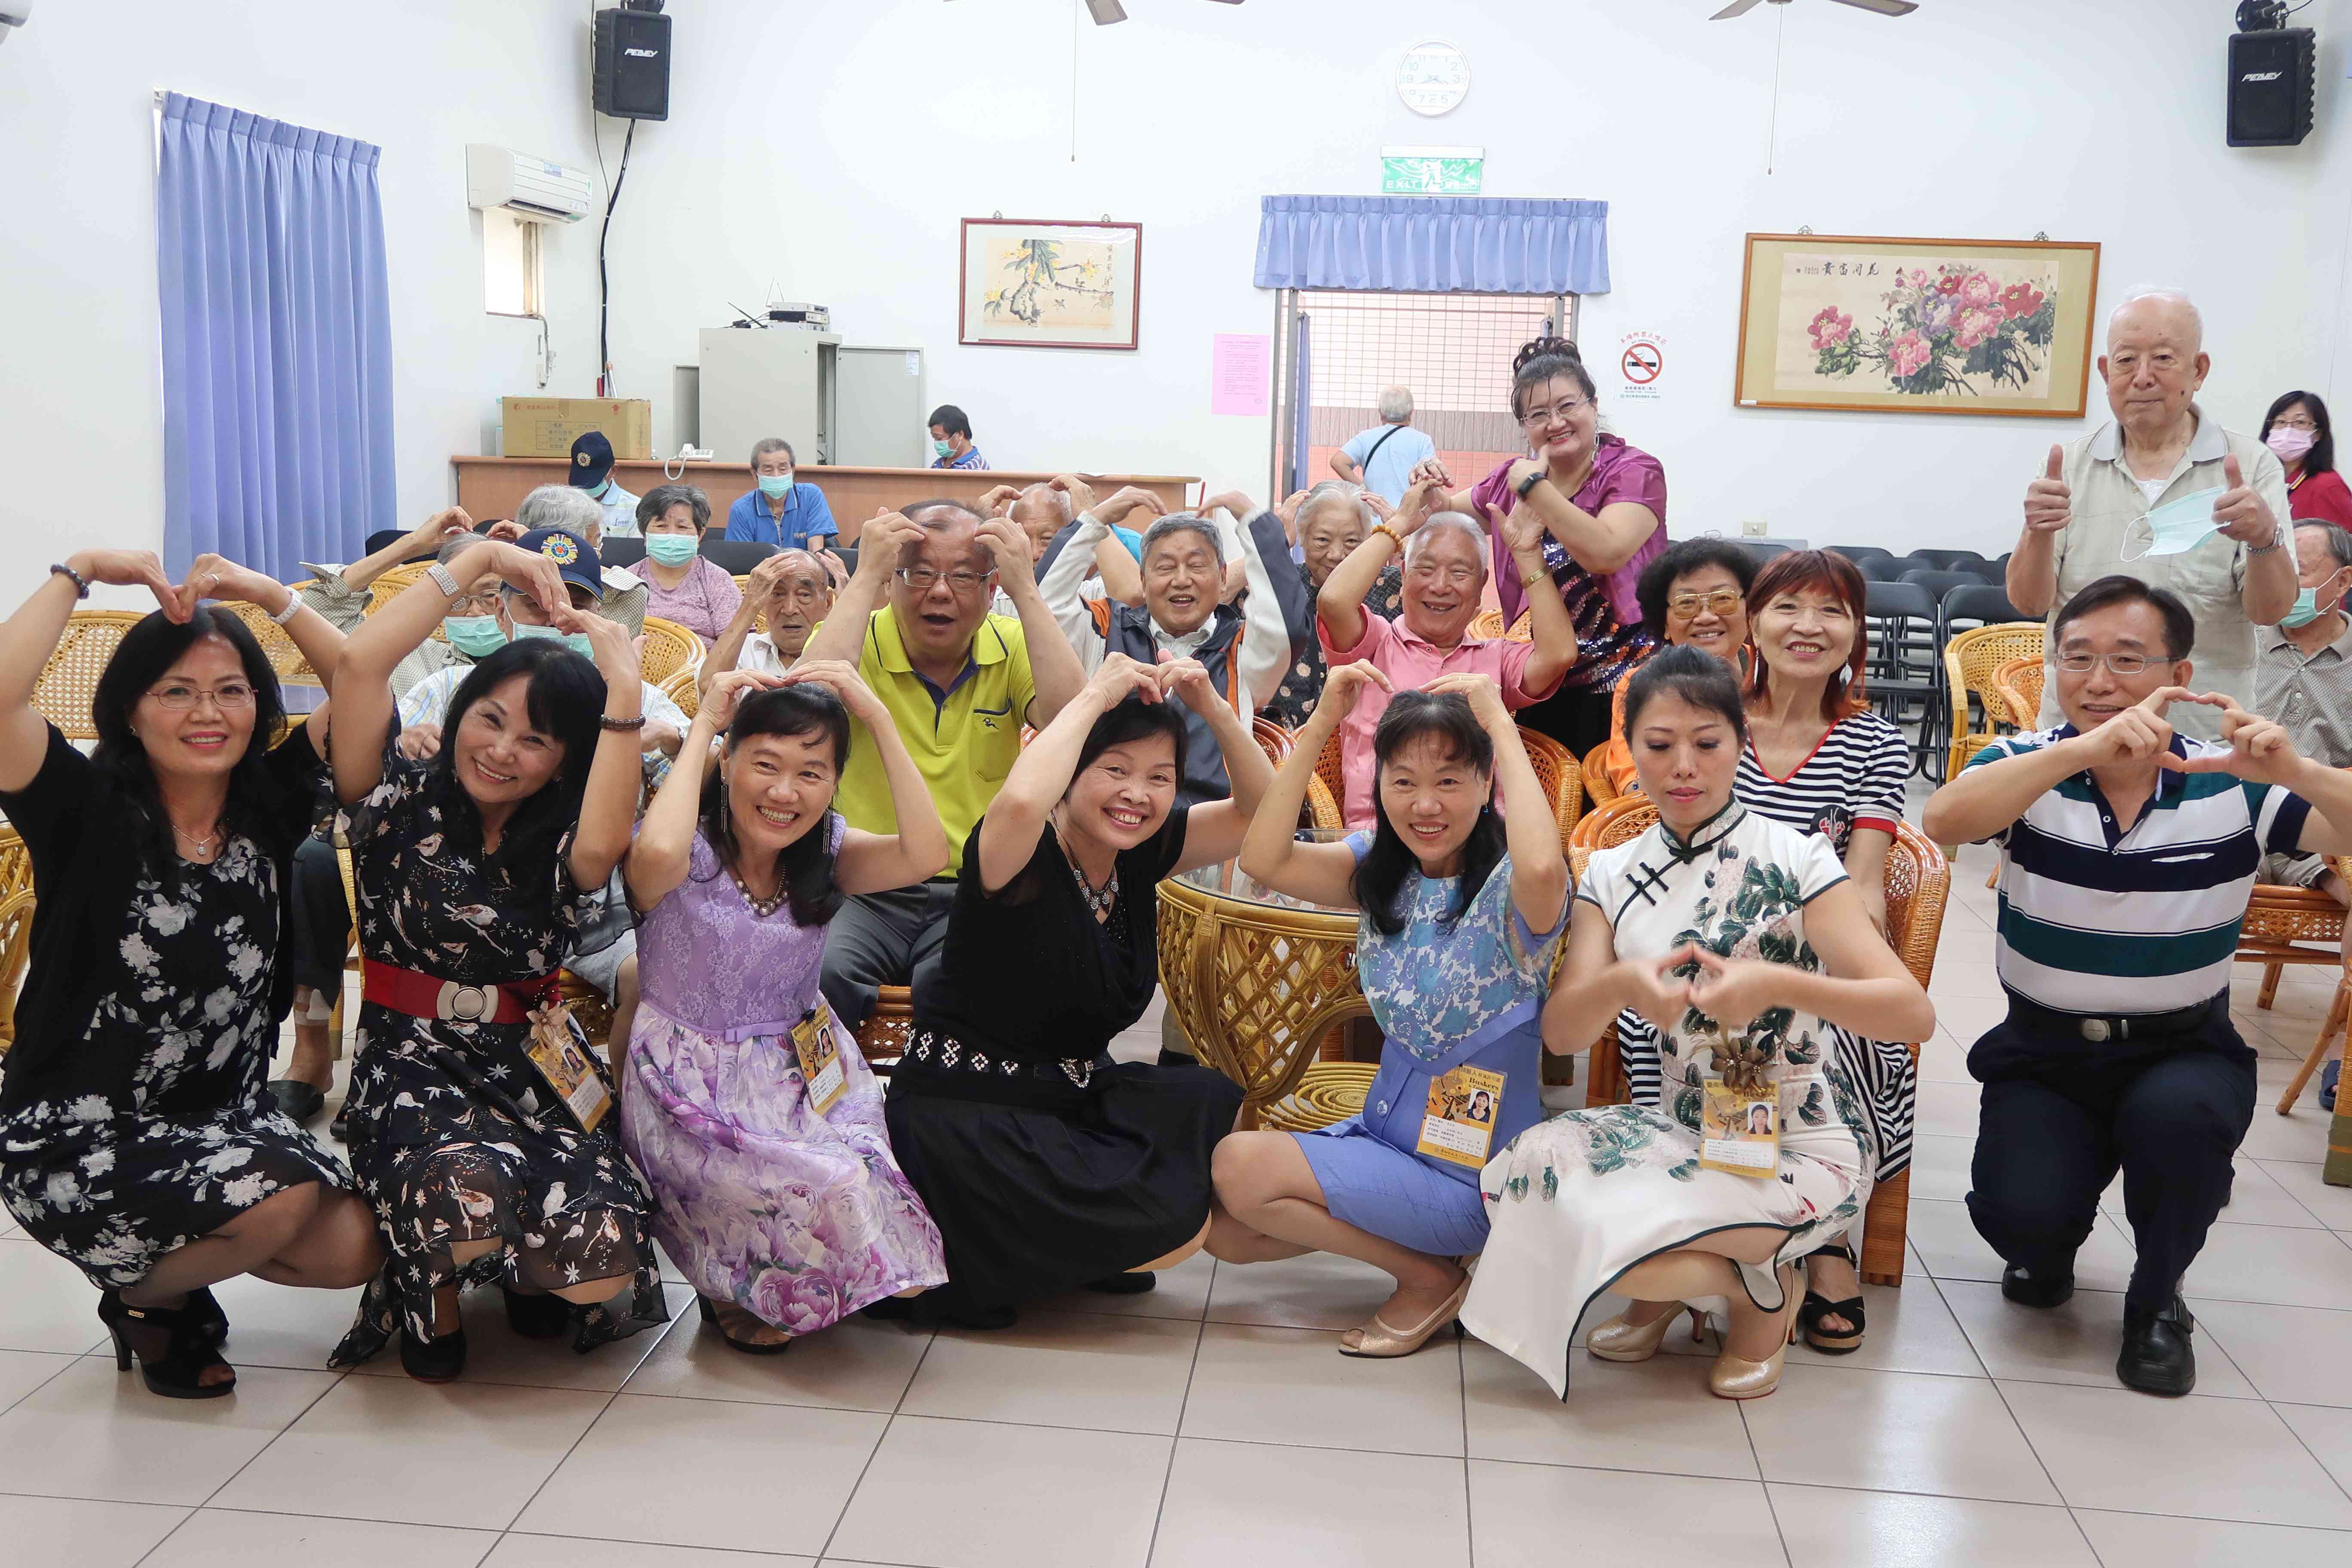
{"x": 762, "y": 908}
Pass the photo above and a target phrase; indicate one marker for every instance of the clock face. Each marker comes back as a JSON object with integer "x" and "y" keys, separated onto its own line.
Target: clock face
{"x": 1432, "y": 78}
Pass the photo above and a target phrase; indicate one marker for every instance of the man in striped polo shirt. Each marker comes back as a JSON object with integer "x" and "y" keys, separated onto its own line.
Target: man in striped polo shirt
{"x": 2131, "y": 855}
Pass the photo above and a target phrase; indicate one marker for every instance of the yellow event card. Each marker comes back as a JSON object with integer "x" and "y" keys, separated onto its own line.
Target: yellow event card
{"x": 1740, "y": 1132}
{"x": 564, "y": 1064}
{"x": 820, "y": 1055}
{"x": 1460, "y": 1125}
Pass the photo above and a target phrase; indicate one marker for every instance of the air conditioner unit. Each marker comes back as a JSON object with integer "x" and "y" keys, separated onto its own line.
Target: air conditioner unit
{"x": 532, "y": 188}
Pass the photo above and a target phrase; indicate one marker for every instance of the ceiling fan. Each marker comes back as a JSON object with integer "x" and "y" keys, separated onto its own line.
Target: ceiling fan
{"x": 1106, "y": 12}
{"x": 1741, "y": 7}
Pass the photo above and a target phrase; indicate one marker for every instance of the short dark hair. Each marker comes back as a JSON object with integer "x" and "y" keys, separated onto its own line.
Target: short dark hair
{"x": 2321, "y": 458}
{"x": 1544, "y": 359}
{"x": 661, "y": 497}
{"x": 2179, "y": 626}
{"x": 767, "y": 444}
{"x": 1379, "y": 883}
{"x": 1698, "y": 678}
{"x": 1681, "y": 559}
{"x": 805, "y": 866}
{"x": 2339, "y": 544}
{"x": 1133, "y": 718}
{"x": 950, "y": 418}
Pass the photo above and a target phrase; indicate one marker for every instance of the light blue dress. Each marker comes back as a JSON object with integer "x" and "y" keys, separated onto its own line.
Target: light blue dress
{"x": 1447, "y": 994}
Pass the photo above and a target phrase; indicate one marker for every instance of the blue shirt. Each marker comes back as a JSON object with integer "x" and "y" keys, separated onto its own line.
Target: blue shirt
{"x": 1391, "y": 473}
{"x": 970, "y": 459}
{"x": 806, "y": 517}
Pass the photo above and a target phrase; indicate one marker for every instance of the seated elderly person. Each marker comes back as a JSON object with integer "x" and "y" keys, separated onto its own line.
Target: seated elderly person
{"x": 1444, "y": 557}
{"x": 591, "y": 473}
{"x": 1246, "y": 649}
{"x": 1695, "y": 595}
{"x": 575, "y": 512}
{"x": 779, "y": 510}
{"x": 1044, "y": 510}
{"x": 682, "y": 584}
{"x": 341, "y": 594}
{"x": 794, "y": 592}
{"x": 1328, "y": 521}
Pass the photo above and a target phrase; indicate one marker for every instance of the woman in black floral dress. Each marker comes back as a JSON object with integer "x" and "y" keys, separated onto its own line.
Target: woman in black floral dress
{"x": 137, "y": 1138}
{"x": 481, "y": 1124}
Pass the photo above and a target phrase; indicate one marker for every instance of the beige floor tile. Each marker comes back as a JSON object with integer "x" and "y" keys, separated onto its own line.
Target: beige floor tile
{"x": 8, "y": 1226}
{"x": 1947, "y": 1242}
{"x": 1182, "y": 1292}
{"x": 465, "y": 1455}
{"x": 49, "y": 1305}
{"x": 555, "y": 1552}
{"x": 1942, "y": 1059}
{"x": 1896, "y": 1432}
{"x": 1966, "y": 1017}
{"x": 273, "y": 1325}
{"x": 69, "y": 1530}
{"x": 1941, "y": 1168}
{"x": 686, "y": 1472}
{"x": 2261, "y": 1263}
{"x": 94, "y": 1432}
{"x": 2207, "y": 1458}
{"x": 2289, "y": 1354}
{"x": 2332, "y": 1206}
{"x": 1824, "y": 1527}
{"x": 2326, "y": 1431}
{"x": 2073, "y": 1343}
{"x": 1320, "y": 1290}
{"x": 1949, "y": 1109}
{"x": 21, "y": 1372}
{"x": 2151, "y": 1541}
{"x": 1520, "y": 1515}
{"x": 1652, "y": 1415}
{"x": 1291, "y": 1385}
{"x": 2302, "y": 1136}
{"x": 497, "y": 1355}
{"x": 223, "y": 1538}
{"x": 1956, "y": 976}
{"x": 1061, "y": 1369}
{"x": 1905, "y": 1330}
{"x": 972, "y": 1494}
{"x": 1233, "y": 1503}
{"x": 859, "y": 1364}
{"x": 2257, "y": 1196}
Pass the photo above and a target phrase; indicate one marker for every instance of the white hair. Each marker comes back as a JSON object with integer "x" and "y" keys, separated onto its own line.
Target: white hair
{"x": 1061, "y": 499}
{"x": 2176, "y": 296}
{"x": 566, "y": 507}
{"x": 1336, "y": 490}
{"x": 1441, "y": 522}
{"x": 1396, "y": 404}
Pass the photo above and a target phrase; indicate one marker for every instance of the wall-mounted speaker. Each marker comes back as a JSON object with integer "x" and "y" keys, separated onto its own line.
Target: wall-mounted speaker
{"x": 633, "y": 64}
{"x": 2270, "y": 87}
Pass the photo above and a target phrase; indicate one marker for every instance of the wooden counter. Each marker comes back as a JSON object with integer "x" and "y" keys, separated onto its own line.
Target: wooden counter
{"x": 494, "y": 487}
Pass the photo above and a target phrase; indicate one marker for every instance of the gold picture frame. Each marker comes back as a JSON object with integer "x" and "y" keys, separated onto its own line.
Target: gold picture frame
{"x": 1878, "y": 324}
{"x": 1037, "y": 283}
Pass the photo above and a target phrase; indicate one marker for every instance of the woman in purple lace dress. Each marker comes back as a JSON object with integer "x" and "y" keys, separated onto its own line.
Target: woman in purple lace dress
{"x": 757, "y": 1123}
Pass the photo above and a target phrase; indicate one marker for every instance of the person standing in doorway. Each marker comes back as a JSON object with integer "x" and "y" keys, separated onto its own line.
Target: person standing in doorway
{"x": 1383, "y": 458}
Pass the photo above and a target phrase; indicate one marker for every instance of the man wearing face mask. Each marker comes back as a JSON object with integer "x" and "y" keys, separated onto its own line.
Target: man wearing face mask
{"x": 951, "y": 445}
{"x": 592, "y": 472}
{"x": 2166, "y": 495}
{"x": 780, "y": 509}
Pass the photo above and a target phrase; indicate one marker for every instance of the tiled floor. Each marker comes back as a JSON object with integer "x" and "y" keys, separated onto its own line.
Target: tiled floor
{"x": 1212, "y": 1422}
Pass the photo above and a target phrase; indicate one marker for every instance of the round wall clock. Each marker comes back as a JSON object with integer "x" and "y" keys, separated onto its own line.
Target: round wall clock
{"x": 1432, "y": 78}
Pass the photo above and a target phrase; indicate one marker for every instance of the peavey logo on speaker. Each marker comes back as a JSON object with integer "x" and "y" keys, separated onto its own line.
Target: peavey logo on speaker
{"x": 2261, "y": 76}
{"x": 655, "y": 54}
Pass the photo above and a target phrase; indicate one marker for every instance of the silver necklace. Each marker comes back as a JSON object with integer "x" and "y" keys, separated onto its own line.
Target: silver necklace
{"x": 1099, "y": 902}
{"x": 762, "y": 908}
{"x": 203, "y": 847}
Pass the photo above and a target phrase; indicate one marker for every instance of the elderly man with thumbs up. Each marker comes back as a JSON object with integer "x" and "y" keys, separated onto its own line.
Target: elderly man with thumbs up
{"x": 2131, "y": 853}
{"x": 2166, "y": 495}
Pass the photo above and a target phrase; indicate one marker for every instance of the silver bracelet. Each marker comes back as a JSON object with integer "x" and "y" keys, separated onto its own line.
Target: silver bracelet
{"x": 444, "y": 580}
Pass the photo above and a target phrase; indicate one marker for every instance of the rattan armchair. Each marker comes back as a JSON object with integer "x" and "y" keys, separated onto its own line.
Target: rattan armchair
{"x": 668, "y": 649}
{"x": 390, "y": 585}
{"x": 15, "y": 927}
{"x": 683, "y": 687}
{"x": 69, "y": 677}
{"x": 286, "y": 660}
{"x": 1594, "y": 773}
{"x": 2018, "y": 681}
{"x": 1972, "y": 661}
{"x": 2288, "y": 925}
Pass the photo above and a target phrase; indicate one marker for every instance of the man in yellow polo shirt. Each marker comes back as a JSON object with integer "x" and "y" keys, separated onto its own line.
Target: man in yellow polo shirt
{"x": 959, "y": 683}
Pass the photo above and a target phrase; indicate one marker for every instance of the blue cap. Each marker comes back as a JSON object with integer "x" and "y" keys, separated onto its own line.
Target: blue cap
{"x": 592, "y": 459}
{"x": 576, "y": 559}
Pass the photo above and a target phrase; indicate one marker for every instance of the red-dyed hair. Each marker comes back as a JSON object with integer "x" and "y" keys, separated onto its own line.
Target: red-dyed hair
{"x": 1829, "y": 573}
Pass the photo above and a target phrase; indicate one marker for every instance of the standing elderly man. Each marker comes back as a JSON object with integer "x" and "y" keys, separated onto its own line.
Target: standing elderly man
{"x": 1383, "y": 458}
{"x": 1445, "y": 555}
{"x": 2166, "y": 495}
{"x": 959, "y": 682}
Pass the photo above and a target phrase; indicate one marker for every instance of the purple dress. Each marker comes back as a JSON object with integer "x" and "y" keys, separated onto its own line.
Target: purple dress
{"x": 798, "y": 1218}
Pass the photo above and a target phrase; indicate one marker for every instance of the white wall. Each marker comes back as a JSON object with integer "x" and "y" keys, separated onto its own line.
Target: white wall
{"x": 830, "y": 146}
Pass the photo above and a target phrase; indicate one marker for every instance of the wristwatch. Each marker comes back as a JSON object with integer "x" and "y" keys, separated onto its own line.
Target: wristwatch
{"x": 1530, "y": 482}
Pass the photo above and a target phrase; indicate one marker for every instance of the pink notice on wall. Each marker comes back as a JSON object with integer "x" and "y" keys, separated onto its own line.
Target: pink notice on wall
{"x": 1240, "y": 372}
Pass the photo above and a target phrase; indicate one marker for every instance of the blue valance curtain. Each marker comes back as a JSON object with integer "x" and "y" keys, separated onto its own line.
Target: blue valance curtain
{"x": 1433, "y": 244}
{"x": 276, "y": 341}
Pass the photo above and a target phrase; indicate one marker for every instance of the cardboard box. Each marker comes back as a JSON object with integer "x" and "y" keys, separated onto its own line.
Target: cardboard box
{"x": 546, "y": 427}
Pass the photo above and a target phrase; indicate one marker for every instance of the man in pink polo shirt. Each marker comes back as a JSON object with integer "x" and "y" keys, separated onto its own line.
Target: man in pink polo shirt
{"x": 1444, "y": 585}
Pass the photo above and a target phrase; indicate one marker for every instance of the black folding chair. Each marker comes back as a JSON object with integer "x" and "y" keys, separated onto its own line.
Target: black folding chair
{"x": 1884, "y": 568}
{"x": 735, "y": 557}
{"x": 621, "y": 552}
{"x": 1860, "y": 554}
{"x": 1901, "y": 671}
{"x": 1762, "y": 552}
{"x": 1978, "y": 605}
{"x": 1939, "y": 583}
{"x": 1950, "y": 560}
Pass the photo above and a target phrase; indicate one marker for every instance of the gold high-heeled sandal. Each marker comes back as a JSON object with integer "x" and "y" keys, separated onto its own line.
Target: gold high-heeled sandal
{"x": 1382, "y": 1341}
{"x": 1619, "y": 1341}
{"x": 1735, "y": 1377}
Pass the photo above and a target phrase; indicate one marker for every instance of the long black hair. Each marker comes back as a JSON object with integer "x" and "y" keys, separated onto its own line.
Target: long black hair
{"x": 1445, "y": 717}
{"x": 147, "y": 650}
{"x": 805, "y": 868}
{"x": 564, "y": 700}
{"x": 2321, "y": 458}
{"x": 1546, "y": 360}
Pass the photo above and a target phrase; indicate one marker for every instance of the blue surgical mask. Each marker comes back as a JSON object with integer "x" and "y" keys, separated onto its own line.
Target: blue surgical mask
{"x": 576, "y": 641}
{"x": 2176, "y": 526}
{"x": 600, "y": 486}
{"x": 942, "y": 449}
{"x": 774, "y": 485}
{"x": 2306, "y": 610}
{"x": 671, "y": 549}
{"x": 476, "y": 637}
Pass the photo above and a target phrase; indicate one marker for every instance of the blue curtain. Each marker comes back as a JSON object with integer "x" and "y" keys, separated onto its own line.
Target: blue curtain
{"x": 1433, "y": 244}
{"x": 276, "y": 341}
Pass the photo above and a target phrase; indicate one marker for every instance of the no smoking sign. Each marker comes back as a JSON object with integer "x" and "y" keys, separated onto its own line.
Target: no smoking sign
{"x": 1641, "y": 363}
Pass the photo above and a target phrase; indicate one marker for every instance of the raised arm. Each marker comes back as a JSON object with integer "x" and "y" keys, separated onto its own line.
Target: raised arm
{"x": 1990, "y": 795}
{"x": 1054, "y": 667}
{"x": 843, "y": 634}
{"x": 1041, "y": 775}
{"x": 1120, "y": 572}
{"x": 728, "y": 648}
{"x": 876, "y": 862}
{"x": 1318, "y": 873}
{"x": 1600, "y": 541}
{"x": 31, "y": 634}
{"x": 608, "y": 808}
{"x": 1278, "y": 618}
{"x": 1213, "y": 832}
{"x": 2249, "y": 516}
{"x": 2032, "y": 580}
{"x": 1061, "y": 586}
{"x": 1553, "y": 630}
{"x": 1531, "y": 831}
{"x": 1340, "y": 603}
{"x": 663, "y": 851}
{"x": 216, "y": 577}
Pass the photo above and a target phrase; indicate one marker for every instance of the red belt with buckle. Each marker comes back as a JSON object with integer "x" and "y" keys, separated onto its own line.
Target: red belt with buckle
{"x": 430, "y": 996}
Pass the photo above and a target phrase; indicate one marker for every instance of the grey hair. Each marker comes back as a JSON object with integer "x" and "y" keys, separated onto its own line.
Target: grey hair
{"x": 1177, "y": 522}
{"x": 1331, "y": 490}
{"x": 456, "y": 547}
{"x": 1396, "y": 404}
{"x": 2138, "y": 291}
{"x": 564, "y": 507}
{"x": 661, "y": 497}
{"x": 1061, "y": 499}
{"x": 2340, "y": 542}
{"x": 1441, "y": 522}
{"x": 768, "y": 444}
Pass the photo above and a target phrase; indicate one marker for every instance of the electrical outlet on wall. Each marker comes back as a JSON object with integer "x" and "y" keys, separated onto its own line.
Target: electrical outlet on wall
{"x": 1752, "y": 528}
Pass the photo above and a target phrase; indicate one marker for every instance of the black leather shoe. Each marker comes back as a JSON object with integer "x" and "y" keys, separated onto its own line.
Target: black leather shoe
{"x": 437, "y": 1360}
{"x": 1135, "y": 1284}
{"x": 540, "y": 1316}
{"x": 298, "y": 1100}
{"x": 2156, "y": 1356}
{"x": 2018, "y": 1286}
{"x": 340, "y": 1129}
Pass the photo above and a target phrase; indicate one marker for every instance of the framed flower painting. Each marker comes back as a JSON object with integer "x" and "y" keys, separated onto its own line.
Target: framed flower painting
{"x": 1916, "y": 326}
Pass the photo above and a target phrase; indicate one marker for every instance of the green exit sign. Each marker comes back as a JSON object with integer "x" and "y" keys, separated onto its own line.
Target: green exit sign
{"x": 1432, "y": 171}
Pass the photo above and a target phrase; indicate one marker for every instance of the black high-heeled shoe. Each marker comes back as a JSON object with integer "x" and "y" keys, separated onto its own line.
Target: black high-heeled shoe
{"x": 205, "y": 1317}
{"x": 1840, "y": 1342}
{"x": 437, "y": 1360}
{"x": 182, "y": 1354}
{"x": 540, "y": 1316}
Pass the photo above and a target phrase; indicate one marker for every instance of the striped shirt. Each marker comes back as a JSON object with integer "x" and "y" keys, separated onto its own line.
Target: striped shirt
{"x": 1854, "y": 778}
{"x": 2101, "y": 920}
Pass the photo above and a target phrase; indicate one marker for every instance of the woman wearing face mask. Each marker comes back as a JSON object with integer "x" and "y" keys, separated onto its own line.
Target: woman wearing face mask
{"x": 1603, "y": 506}
{"x": 1046, "y": 1166}
{"x": 1695, "y": 595}
{"x": 1746, "y": 944}
{"x": 137, "y": 1138}
{"x": 486, "y": 1156}
{"x": 682, "y": 584}
{"x": 757, "y": 1123}
{"x": 1462, "y": 908}
{"x": 2298, "y": 430}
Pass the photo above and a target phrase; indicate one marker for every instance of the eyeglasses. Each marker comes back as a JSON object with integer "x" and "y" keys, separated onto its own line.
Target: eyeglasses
{"x": 179, "y": 696}
{"x": 2124, "y": 664}
{"x": 962, "y": 584}
{"x": 2296, "y": 422}
{"x": 474, "y": 605}
{"x": 1567, "y": 410}
{"x": 1720, "y": 602}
